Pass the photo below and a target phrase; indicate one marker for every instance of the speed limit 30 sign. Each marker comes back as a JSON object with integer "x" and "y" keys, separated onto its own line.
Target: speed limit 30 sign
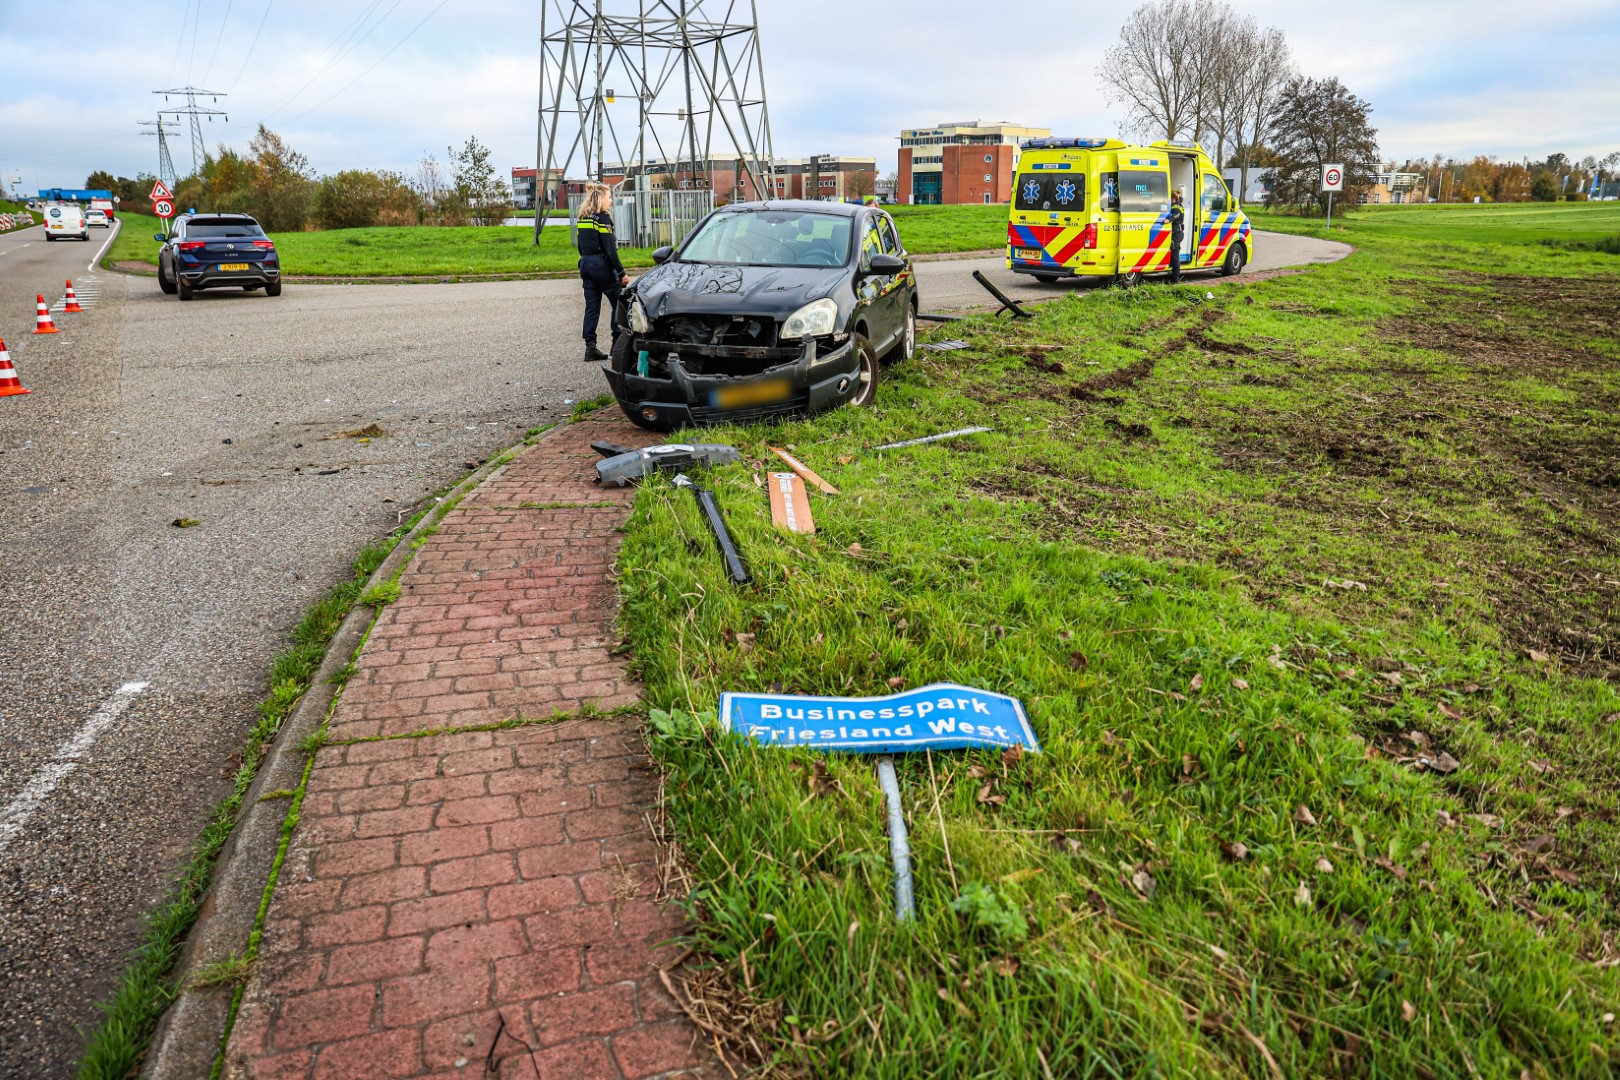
{"x": 163, "y": 208}
{"x": 1333, "y": 177}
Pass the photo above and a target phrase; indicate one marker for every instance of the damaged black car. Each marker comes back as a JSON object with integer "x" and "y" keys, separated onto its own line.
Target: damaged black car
{"x": 767, "y": 310}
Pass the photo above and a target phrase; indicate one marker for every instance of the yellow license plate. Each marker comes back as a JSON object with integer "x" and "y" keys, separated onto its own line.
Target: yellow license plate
{"x": 233, "y": 266}
{"x": 1031, "y": 254}
{"x": 761, "y": 393}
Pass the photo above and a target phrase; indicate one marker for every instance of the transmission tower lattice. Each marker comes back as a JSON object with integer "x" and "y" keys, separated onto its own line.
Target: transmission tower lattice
{"x": 165, "y": 162}
{"x": 199, "y": 150}
{"x": 689, "y": 73}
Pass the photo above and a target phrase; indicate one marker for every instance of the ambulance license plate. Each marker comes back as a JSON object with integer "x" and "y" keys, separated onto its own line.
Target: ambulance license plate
{"x": 762, "y": 393}
{"x": 233, "y": 266}
{"x": 1029, "y": 254}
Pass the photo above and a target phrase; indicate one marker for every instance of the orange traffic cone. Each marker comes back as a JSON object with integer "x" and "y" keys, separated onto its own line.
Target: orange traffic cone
{"x": 42, "y": 320}
{"x": 72, "y": 301}
{"x": 9, "y": 383}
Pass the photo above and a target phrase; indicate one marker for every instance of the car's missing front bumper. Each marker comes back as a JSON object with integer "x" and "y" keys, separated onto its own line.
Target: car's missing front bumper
{"x": 784, "y": 382}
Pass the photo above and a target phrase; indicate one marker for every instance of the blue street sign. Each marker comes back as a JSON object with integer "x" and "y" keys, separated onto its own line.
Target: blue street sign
{"x": 943, "y": 716}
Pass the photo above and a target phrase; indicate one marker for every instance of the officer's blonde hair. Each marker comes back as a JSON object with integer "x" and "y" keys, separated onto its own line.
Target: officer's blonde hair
{"x": 598, "y": 199}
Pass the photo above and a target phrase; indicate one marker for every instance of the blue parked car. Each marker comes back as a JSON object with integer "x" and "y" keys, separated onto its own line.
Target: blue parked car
{"x": 214, "y": 251}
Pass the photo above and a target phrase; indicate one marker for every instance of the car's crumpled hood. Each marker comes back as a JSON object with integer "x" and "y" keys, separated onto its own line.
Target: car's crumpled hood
{"x": 694, "y": 288}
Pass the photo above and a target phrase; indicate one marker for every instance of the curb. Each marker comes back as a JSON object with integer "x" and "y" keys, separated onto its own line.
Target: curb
{"x": 187, "y": 1038}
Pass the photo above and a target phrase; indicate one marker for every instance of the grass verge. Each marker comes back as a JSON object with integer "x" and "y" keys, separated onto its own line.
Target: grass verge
{"x": 1310, "y": 590}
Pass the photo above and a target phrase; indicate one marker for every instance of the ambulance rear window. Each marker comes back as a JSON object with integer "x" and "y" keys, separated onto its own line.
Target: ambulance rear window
{"x": 1060, "y": 191}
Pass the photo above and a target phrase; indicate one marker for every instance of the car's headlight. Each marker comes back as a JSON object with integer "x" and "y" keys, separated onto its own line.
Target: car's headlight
{"x": 813, "y": 320}
{"x": 638, "y": 318}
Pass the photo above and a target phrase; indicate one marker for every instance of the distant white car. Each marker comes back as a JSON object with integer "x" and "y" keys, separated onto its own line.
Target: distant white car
{"x": 62, "y": 222}
{"x": 97, "y": 218}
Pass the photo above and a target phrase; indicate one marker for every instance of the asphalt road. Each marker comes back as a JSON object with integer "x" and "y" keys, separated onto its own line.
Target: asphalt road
{"x": 145, "y": 410}
{"x": 949, "y": 285}
{"x": 133, "y": 654}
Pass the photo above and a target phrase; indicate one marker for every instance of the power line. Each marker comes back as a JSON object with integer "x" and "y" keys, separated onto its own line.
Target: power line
{"x": 373, "y": 67}
{"x": 335, "y": 43}
{"x": 330, "y": 64}
{"x": 196, "y": 20}
{"x": 199, "y": 151}
{"x": 179, "y": 42}
{"x": 218, "y": 38}
{"x": 251, "y": 44}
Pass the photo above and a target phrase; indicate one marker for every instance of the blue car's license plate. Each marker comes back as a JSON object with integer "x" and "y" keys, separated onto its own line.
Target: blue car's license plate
{"x": 760, "y": 393}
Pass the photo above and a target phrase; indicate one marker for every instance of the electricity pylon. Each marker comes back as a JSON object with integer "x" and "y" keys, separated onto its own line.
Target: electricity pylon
{"x": 165, "y": 162}
{"x": 199, "y": 150}
{"x": 691, "y": 71}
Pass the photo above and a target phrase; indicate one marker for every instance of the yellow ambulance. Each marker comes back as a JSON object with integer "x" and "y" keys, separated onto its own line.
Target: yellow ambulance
{"x": 1101, "y": 207}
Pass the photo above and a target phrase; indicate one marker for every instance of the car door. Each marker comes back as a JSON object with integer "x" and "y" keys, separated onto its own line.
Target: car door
{"x": 1216, "y": 222}
{"x": 869, "y": 295}
{"x": 1144, "y": 214}
{"x": 892, "y": 286}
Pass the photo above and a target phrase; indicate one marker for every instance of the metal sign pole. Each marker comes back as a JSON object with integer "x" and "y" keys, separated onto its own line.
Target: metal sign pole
{"x": 1330, "y": 212}
{"x": 905, "y": 904}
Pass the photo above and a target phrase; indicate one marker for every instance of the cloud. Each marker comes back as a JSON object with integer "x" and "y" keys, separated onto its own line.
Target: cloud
{"x": 844, "y": 76}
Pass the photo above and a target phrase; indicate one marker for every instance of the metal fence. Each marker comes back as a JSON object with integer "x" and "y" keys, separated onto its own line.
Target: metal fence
{"x": 651, "y": 218}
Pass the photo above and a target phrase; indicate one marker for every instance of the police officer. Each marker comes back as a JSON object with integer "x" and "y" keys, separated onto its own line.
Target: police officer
{"x": 1178, "y": 229}
{"x": 599, "y": 267}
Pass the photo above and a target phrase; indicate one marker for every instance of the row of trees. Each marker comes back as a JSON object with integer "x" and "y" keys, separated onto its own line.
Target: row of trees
{"x": 275, "y": 184}
{"x": 1196, "y": 69}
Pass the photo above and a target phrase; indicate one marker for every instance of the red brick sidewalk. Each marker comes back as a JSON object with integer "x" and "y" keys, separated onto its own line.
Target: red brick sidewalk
{"x": 480, "y": 903}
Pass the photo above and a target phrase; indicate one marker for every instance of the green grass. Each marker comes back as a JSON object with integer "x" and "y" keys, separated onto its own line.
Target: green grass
{"x": 502, "y": 250}
{"x": 1236, "y": 557}
{"x": 1508, "y": 224}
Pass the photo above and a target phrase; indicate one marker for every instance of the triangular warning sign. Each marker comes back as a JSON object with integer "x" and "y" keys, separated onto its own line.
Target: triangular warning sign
{"x": 160, "y": 191}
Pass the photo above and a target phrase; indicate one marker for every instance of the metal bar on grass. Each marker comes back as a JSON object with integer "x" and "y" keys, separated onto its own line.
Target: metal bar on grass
{"x": 958, "y": 433}
{"x": 1006, "y": 301}
{"x": 905, "y": 904}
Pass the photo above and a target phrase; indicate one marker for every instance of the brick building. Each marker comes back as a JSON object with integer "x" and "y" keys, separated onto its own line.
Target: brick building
{"x": 825, "y": 176}
{"x": 965, "y": 162}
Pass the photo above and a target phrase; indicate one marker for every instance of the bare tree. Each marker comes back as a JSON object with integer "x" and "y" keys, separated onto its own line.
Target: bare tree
{"x": 1151, "y": 69}
{"x": 1318, "y": 121}
{"x": 1269, "y": 68}
{"x": 859, "y": 184}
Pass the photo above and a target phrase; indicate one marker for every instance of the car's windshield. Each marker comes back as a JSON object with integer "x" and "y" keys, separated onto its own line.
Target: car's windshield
{"x": 222, "y": 228}
{"x": 771, "y": 238}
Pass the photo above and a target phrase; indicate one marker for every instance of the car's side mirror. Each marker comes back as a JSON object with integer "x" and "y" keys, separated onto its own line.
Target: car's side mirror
{"x": 887, "y": 264}
{"x": 159, "y": 237}
{"x": 662, "y": 255}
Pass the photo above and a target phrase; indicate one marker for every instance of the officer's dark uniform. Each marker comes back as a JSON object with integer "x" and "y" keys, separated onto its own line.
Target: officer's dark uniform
{"x": 1178, "y": 229}
{"x": 601, "y": 271}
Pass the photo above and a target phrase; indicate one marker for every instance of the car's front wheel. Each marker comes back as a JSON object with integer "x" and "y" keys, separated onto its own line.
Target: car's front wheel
{"x": 866, "y": 375}
{"x": 1235, "y": 258}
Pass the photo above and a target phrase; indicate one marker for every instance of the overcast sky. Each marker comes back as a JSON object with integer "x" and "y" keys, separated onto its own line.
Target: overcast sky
{"x": 1456, "y": 77}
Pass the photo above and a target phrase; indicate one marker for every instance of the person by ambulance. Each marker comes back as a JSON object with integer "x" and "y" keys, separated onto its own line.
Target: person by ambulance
{"x": 1178, "y": 233}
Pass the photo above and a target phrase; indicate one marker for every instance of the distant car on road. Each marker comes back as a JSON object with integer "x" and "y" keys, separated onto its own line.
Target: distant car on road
{"x": 97, "y": 218}
{"x": 217, "y": 251}
{"x": 64, "y": 223}
{"x": 767, "y": 309}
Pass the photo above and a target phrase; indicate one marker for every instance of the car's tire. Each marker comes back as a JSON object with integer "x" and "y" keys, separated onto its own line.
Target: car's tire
{"x": 1130, "y": 280}
{"x": 185, "y": 291}
{"x": 1236, "y": 257}
{"x": 906, "y": 347}
{"x": 622, "y": 358}
{"x": 866, "y": 374}
{"x": 49, "y": 238}
{"x": 272, "y": 288}
{"x": 164, "y": 283}
{"x": 1047, "y": 279}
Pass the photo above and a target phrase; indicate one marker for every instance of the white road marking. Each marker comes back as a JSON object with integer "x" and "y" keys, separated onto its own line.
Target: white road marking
{"x": 68, "y": 757}
{"x": 118, "y": 224}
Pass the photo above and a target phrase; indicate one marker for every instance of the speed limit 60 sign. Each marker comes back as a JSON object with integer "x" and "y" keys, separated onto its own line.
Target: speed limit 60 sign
{"x": 1333, "y": 177}
{"x": 163, "y": 208}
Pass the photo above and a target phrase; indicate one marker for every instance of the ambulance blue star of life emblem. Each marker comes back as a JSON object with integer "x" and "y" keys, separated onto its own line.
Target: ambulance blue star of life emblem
{"x": 1111, "y": 189}
{"x": 1065, "y": 192}
{"x": 1032, "y": 191}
